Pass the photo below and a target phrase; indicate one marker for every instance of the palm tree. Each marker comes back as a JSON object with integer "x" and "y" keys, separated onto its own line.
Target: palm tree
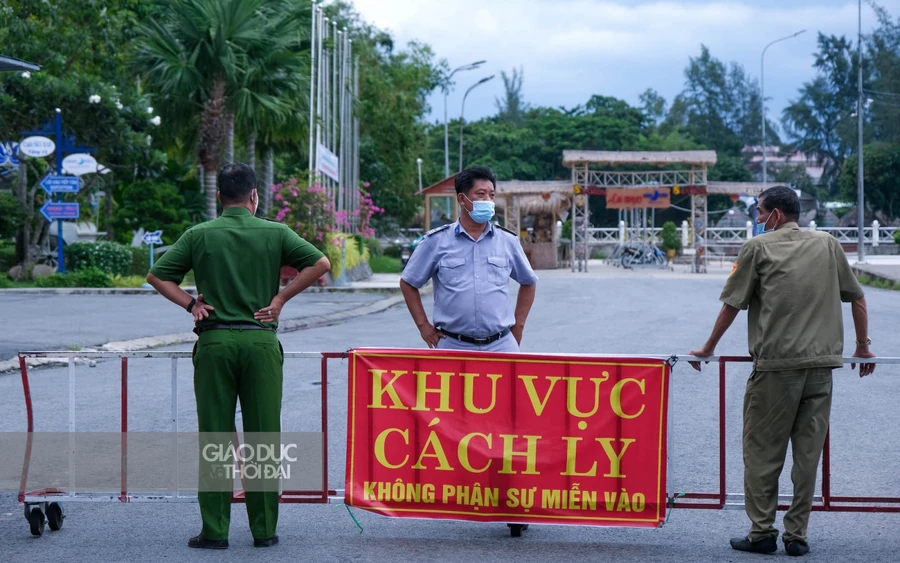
{"x": 196, "y": 55}
{"x": 272, "y": 91}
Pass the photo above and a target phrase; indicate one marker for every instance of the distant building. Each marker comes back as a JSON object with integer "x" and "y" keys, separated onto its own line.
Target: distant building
{"x": 776, "y": 160}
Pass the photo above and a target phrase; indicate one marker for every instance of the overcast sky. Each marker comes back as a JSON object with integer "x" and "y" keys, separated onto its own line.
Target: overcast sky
{"x": 572, "y": 49}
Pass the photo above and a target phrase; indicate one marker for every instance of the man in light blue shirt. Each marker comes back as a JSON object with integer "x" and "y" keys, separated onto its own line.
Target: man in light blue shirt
{"x": 470, "y": 262}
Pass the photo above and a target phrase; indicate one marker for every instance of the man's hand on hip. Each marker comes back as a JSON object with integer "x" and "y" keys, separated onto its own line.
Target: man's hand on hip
{"x": 430, "y": 335}
{"x": 271, "y": 313}
{"x": 517, "y": 331}
{"x": 201, "y": 310}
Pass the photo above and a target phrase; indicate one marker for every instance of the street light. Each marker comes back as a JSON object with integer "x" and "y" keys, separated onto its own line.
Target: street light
{"x": 860, "y": 197}
{"x": 419, "y": 164}
{"x": 462, "y": 112}
{"x": 446, "y": 91}
{"x": 762, "y": 88}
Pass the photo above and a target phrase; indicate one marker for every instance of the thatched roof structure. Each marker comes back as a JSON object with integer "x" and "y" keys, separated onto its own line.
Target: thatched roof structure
{"x": 536, "y": 197}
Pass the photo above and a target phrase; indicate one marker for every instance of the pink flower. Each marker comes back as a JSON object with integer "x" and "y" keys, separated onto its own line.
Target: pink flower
{"x": 278, "y": 197}
{"x": 366, "y": 184}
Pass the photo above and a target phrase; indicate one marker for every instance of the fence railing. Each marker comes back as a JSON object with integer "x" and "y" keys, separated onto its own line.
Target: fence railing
{"x": 875, "y": 235}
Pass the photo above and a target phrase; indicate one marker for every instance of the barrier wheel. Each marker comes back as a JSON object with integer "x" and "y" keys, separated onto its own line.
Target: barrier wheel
{"x": 36, "y": 521}
{"x": 515, "y": 530}
{"x": 55, "y": 516}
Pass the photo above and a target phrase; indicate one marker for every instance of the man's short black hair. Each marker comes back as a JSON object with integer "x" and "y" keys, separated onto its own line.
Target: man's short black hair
{"x": 467, "y": 178}
{"x": 782, "y": 198}
{"x": 236, "y": 181}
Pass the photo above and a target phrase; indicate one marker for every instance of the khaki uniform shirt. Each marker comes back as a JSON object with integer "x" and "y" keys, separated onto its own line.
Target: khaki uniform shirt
{"x": 237, "y": 262}
{"x": 793, "y": 282}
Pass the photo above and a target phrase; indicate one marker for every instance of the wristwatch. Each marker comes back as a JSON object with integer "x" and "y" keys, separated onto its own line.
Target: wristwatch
{"x": 868, "y": 342}
{"x": 190, "y": 306}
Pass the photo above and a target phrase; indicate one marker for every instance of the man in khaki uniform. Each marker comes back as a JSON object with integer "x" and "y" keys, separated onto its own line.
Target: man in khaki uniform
{"x": 792, "y": 283}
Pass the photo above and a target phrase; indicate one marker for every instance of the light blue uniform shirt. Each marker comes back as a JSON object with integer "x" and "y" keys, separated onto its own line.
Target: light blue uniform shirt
{"x": 471, "y": 278}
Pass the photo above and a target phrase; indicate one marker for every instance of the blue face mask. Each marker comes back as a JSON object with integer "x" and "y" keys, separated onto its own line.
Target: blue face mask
{"x": 761, "y": 227}
{"x": 482, "y": 211}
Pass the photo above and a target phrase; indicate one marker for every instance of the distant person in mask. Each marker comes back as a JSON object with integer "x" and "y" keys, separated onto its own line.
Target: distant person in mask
{"x": 792, "y": 283}
{"x": 471, "y": 261}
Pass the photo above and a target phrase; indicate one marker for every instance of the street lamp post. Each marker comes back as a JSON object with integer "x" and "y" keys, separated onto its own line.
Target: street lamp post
{"x": 462, "y": 112}
{"x": 860, "y": 197}
{"x": 419, "y": 164}
{"x": 762, "y": 89}
{"x": 471, "y": 66}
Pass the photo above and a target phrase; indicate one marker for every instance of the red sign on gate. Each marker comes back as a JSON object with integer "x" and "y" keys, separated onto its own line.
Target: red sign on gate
{"x": 508, "y": 437}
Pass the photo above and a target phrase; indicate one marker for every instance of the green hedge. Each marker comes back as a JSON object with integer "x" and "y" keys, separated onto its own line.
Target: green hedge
{"x": 7, "y": 256}
{"x": 88, "y": 277}
{"x": 109, "y": 257}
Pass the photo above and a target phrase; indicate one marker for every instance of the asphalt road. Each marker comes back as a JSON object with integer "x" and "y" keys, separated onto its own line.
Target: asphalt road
{"x": 62, "y": 322}
{"x": 605, "y": 312}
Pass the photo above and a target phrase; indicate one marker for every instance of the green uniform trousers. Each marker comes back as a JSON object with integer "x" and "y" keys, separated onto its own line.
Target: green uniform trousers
{"x": 782, "y": 406}
{"x": 229, "y": 364}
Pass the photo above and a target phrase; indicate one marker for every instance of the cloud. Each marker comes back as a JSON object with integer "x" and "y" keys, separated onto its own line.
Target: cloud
{"x": 572, "y": 49}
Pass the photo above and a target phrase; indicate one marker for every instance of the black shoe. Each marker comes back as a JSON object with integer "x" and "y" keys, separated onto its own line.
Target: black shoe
{"x": 200, "y": 542}
{"x": 796, "y": 547}
{"x": 765, "y": 545}
{"x": 269, "y": 542}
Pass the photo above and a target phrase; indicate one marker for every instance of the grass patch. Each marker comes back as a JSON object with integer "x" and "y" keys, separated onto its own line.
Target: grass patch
{"x": 879, "y": 283}
{"x": 385, "y": 265}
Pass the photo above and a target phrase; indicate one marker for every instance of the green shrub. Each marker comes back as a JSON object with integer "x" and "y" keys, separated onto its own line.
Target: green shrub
{"x": 670, "y": 237}
{"x": 140, "y": 260}
{"x": 566, "y": 232}
{"x": 129, "y": 281}
{"x": 108, "y": 257}
{"x": 896, "y": 234}
{"x": 393, "y": 251}
{"x": 55, "y": 280}
{"x": 385, "y": 265}
{"x": 91, "y": 277}
{"x": 5, "y": 282}
{"x": 7, "y": 256}
{"x": 375, "y": 247}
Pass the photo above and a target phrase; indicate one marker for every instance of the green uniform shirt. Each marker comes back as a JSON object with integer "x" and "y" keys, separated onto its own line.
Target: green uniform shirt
{"x": 793, "y": 283}
{"x": 237, "y": 262}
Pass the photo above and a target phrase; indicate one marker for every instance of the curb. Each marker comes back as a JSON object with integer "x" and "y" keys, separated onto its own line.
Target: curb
{"x": 286, "y": 326}
{"x": 189, "y": 289}
{"x": 859, "y": 272}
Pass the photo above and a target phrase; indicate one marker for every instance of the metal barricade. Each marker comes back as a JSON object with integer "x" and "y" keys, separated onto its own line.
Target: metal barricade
{"x": 43, "y": 500}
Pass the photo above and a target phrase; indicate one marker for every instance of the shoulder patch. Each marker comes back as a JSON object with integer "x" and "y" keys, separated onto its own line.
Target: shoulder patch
{"x": 507, "y": 230}
{"x": 437, "y": 230}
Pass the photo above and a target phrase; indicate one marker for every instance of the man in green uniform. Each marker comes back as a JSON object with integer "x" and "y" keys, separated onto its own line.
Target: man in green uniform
{"x": 236, "y": 261}
{"x": 792, "y": 282}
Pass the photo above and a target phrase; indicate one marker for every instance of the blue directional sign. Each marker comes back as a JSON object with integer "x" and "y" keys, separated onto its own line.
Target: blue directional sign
{"x": 59, "y": 210}
{"x": 60, "y": 184}
{"x": 153, "y": 238}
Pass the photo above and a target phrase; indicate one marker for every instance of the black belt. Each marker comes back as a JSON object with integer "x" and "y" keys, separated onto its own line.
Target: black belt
{"x": 232, "y": 326}
{"x": 477, "y": 341}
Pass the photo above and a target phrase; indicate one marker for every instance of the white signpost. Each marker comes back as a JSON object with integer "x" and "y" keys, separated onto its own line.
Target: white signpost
{"x": 79, "y": 164}
{"x": 327, "y": 162}
{"x": 37, "y": 147}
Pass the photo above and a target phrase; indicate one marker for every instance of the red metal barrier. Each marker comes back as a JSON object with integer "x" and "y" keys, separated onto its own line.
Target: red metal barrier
{"x": 829, "y": 502}
{"x": 714, "y": 499}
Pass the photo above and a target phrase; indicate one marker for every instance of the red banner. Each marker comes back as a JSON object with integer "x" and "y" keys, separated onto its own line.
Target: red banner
{"x": 508, "y": 437}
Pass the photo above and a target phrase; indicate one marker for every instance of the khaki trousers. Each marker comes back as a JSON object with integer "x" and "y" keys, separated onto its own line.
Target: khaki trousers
{"x": 782, "y": 406}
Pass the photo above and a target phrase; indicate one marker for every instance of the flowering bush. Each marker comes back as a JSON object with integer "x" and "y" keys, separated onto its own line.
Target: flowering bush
{"x": 306, "y": 209}
{"x": 367, "y": 209}
{"x": 311, "y": 213}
